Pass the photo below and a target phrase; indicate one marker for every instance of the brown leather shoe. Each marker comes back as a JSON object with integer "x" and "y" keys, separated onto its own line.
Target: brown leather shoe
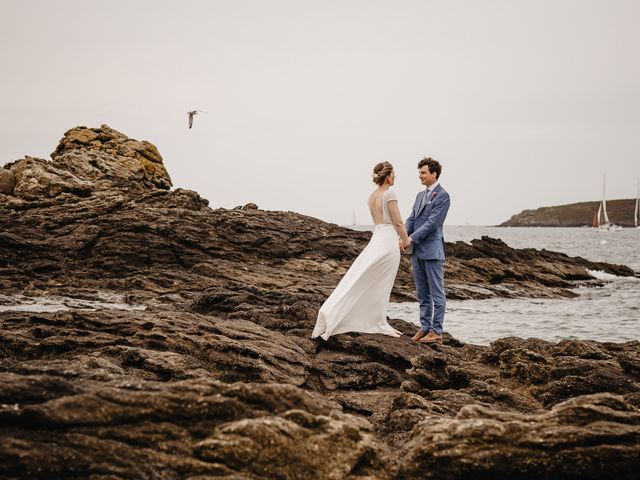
{"x": 419, "y": 334}
{"x": 432, "y": 337}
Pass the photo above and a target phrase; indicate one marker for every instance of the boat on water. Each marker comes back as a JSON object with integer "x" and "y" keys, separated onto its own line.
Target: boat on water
{"x": 601, "y": 219}
{"x": 635, "y": 213}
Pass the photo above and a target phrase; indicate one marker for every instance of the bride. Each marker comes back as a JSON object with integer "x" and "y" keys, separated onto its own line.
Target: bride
{"x": 359, "y": 302}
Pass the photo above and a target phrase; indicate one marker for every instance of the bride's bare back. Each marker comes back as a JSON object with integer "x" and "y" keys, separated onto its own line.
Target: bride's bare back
{"x": 392, "y": 217}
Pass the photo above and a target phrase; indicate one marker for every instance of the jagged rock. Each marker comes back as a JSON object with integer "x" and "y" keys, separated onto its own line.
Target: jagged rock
{"x": 90, "y": 160}
{"x": 525, "y": 365}
{"x": 7, "y": 182}
{"x": 161, "y": 380}
{"x": 123, "y": 427}
{"x": 292, "y": 446}
{"x": 146, "y": 343}
{"x": 593, "y": 436}
{"x": 36, "y": 179}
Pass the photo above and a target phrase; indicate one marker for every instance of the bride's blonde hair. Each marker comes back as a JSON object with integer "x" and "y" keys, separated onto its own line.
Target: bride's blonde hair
{"x": 380, "y": 172}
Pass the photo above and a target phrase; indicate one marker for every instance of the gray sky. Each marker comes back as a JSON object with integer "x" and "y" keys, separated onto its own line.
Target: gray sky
{"x": 525, "y": 103}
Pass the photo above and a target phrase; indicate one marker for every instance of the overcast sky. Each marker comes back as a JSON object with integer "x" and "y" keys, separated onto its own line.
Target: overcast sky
{"x": 525, "y": 103}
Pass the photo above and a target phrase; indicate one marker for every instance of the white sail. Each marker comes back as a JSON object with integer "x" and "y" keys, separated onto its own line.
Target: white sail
{"x": 604, "y": 200}
{"x": 635, "y": 214}
{"x": 603, "y": 224}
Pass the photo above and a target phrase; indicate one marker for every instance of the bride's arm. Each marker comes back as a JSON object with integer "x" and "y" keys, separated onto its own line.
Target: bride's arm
{"x": 396, "y": 219}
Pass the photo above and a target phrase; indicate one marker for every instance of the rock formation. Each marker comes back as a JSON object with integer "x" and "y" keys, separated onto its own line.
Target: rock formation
{"x": 86, "y": 161}
{"x": 217, "y": 377}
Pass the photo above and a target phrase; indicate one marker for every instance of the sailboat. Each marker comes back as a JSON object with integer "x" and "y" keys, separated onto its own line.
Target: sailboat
{"x": 596, "y": 216}
{"x": 635, "y": 213}
{"x": 601, "y": 214}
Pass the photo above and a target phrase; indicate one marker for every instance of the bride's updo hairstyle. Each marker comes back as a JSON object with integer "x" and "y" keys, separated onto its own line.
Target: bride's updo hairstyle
{"x": 380, "y": 172}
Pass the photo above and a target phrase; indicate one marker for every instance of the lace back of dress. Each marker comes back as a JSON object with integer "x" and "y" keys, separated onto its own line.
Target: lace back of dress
{"x": 386, "y": 214}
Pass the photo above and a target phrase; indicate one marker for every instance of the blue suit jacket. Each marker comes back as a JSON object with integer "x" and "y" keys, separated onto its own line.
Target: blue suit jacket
{"x": 425, "y": 226}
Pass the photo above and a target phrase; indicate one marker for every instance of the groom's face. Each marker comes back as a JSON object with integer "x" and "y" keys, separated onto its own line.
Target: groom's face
{"x": 426, "y": 177}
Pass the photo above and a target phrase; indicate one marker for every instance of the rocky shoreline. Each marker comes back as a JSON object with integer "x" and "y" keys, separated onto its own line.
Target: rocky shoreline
{"x": 217, "y": 377}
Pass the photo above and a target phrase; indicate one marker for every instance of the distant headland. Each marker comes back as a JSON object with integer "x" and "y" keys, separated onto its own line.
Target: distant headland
{"x": 573, "y": 215}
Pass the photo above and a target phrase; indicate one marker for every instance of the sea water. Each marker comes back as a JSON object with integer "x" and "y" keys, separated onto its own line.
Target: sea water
{"x": 607, "y": 313}
{"x": 57, "y": 303}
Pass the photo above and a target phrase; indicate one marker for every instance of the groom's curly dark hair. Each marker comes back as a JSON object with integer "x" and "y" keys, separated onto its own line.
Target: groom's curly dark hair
{"x": 434, "y": 165}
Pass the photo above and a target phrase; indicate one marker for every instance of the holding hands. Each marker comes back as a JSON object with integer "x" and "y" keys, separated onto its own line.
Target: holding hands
{"x": 405, "y": 244}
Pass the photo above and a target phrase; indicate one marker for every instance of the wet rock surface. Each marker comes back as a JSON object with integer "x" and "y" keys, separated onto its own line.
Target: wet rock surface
{"x": 481, "y": 442}
{"x": 211, "y": 372}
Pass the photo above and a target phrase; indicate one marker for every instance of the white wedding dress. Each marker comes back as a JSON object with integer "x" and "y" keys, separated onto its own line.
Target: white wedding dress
{"x": 359, "y": 302}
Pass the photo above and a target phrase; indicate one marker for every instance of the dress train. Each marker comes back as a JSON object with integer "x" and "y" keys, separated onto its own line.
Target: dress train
{"x": 359, "y": 302}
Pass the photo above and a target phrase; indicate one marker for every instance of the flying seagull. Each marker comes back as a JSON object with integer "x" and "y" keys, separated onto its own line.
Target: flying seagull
{"x": 191, "y": 114}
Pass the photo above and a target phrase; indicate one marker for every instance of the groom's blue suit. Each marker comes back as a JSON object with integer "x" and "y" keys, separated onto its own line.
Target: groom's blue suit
{"x": 424, "y": 226}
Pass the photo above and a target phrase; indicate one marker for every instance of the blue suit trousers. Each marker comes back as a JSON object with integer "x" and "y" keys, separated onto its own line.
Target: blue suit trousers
{"x": 429, "y": 279}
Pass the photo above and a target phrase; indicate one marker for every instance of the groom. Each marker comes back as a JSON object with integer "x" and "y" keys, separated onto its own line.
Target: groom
{"x": 424, "y": 227}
